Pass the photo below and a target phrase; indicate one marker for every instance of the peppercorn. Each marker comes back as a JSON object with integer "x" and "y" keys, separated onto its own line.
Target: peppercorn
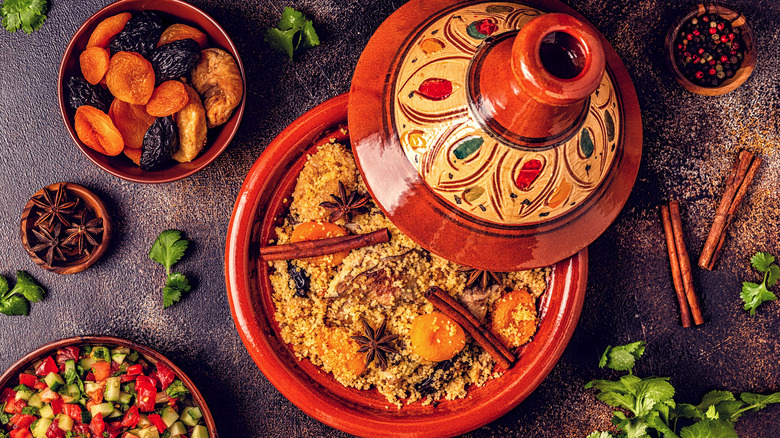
{"x": 708, "y": 61}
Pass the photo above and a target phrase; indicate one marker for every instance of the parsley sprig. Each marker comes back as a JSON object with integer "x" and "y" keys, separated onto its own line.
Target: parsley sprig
{"x": 167, "y": 249}
{"x": 755, "y": 294}
{"x": 294, "y": 31}
{"x": 653, "y": 410}
{"x": 27, "y": 15}
{"x": 17, "y": 300}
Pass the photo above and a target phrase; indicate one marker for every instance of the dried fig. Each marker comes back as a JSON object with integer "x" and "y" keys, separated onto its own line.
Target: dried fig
{"x": 218, "y": 80}
{"x": 191, "y": 121}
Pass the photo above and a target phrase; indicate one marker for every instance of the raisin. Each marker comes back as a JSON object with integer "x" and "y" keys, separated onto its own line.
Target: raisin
{"x": 160, "y": 141}
{"x": 174, "y": 60}
{"x": 300, "y": 279}
{"x": 80, "y": 93}
{"x": 139, "y": 35}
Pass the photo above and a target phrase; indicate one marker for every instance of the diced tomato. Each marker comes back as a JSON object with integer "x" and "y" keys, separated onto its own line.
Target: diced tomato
{"x": 131, "y": 417}
{"x": 7, "y": 395}
{"x": 27, "y": 380}
{"x": 81, "y": 429}
{"x": 158, "y": 422}
{"x": 20, "y": 433}
{"x": 73, "y": 411}
{"x": 54, "y": 430}
{"x": 97, "y": 425}
{"x": 102, "y": 370}
{"x": 124, "y": 378}
{"x": 18, "y": 406}
{"x": 165, "y": 374}
{"x": 22, "y": 421}
{"x": 40, "y": 385}
{"x": 146, "y": 393}
{"x": 112, "y": 430}
{"x": 46, "y": 366}
{"x": 56, "y": 406}
{"x": 135, "y": 369}
{"x": 47, "y": 395}
{"x": 89, "y": 377}
{"x": 67, "y": 353}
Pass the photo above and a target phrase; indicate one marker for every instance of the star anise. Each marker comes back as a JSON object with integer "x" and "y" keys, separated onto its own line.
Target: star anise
{"x": 345, "y": 206}
{"x": 51, "y": 242}
{"x": 84, "y": 231}
{"x": 376, "y": 344}
{"x": 55, "y": 208}
{"x": 485, "y": 277}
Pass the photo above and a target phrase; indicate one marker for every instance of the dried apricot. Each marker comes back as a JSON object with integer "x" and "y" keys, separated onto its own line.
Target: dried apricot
{"x": 514, "y": 318}
{"x": 94, "y": 64}
{"x": 130, "y": 78}
{"x": 191, "y": 121}
{"x": 133, "y": 154}
{"x": 132, "y": 121}
{"x": 168, "y": 98}
{"x": 178, "y": 31}
{"x": 96, "y": 130}
{"x": 436, "y": 337}
{"x": 316, "y": 231}
{"x": 107, "y": 29}
{"x": 339, "y": 353}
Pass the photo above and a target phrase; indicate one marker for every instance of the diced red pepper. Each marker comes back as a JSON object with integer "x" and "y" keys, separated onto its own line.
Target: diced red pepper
{"x": 20, "y": 433}
{"x": 124, "y": 378}
{"x": 97, "y": 425}
{"x": 56, "y": 406}
{"x": 114, "y": 367}
{"x": 18, "y": 406}
{"x": 27, "y": 380}
{"x": 158, "y": 422}
{"x": 46, "y": 366}
{"x": 67, "y": 353}
{"x": 165, "y": 374}
{"x": 81, "y": 429}
{"x": 40, "y": 385}
{"x": 73, "y": 411}
{"x": 7, "y": 395}
{"x": 112, "y": 430}
{"x": 54, "y": 430}
{"x": 22, "y": 421}
{"x": 131, "y": 417}
{"x": 146, "y": 393}
{"x": 135, "y": 369}
{"x": 102, "y": 370}
{"x": 89, "y": 377}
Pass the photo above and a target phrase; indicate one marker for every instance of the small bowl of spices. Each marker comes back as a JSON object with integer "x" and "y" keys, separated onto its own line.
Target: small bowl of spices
{"x": 710, "y": 50}
{"x": 65, "y": 228}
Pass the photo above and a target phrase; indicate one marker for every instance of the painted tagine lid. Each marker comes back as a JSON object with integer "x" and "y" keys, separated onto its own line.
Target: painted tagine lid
{"x": 499, "y": 135}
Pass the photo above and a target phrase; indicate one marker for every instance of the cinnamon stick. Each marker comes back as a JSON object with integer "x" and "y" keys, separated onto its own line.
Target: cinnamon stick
{"x": 329, "y": 245}
{"x": 685, "y": 262}
{"x": 728, "y": 202}
{"x": 484, "y": 337}
{"x": 685, "y": 310}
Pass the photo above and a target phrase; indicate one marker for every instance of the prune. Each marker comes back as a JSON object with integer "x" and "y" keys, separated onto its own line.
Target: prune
{"x": 140, "y": 34}
{"x": 174, "y": 60}
{"x": 81, "y": 92}
{"x": 300, "y": 279}
{"x": 160, "y": 140}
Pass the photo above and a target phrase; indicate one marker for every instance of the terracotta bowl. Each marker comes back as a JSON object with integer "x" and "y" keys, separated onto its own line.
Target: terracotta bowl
{"x": 748, "y": 61}
{"x": 366, "y": 413}
{"x": 76, "y": 264}
{"x": 171, "y": 11}
{"x": 11, "y": 374}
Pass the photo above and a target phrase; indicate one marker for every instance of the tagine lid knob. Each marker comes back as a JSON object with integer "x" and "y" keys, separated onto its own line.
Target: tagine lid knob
{"x": 498, "y": 135}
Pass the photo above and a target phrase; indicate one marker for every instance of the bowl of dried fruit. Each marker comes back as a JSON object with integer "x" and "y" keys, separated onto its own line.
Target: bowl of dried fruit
{"x": 710, "y": 49}
{"x": 151, "y": 91}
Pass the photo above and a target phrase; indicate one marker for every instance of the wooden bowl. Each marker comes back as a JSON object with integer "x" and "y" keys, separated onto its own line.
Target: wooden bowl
{"x": 172, "y": 11}
{"x": 78, "y": 264}
{"x": 366, "y": 412}
{"x": 152, "y": 356}
{"x": 748, "y": 62}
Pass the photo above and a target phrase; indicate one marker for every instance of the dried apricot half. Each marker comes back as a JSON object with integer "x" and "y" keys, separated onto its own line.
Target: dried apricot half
{"x": 167, "y": 99}
{"x": 94, "y": 64}
{"x": 316, "y": 231}
{"x": 130, "y": 78}
{"x": 132, "y": 121}
{"x": 107, "y": 29}
{"x": 96, "y": 130}
{"x": 133, "y": 154}
{"x": 514, "y": 318}
{"x": 436, "y": 337}
{"x": 178, "y": 31}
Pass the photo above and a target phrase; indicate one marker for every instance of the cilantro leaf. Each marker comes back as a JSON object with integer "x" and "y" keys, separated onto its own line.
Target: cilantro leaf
{"x": 772, "y": 275}
{"x": 293, "y": 28}
{"x": 622, "y": 357}
{"x": 759, "y": 401}
{"x": 3, "y": 286}
{"x": 177, "y": 389}
{"x": 281, "y": 40}
{"x": 168, "y": 248}
{"x": 26, "y": 286}
{"x": 176, "y": 285}
{"x": 291, "y": 19}
{"x": 15, "y": 305}
{"x": 600, "y": 435}
{"x": 27, "y": 15}
{"x": 712, "y": 398}
{"x": 709, "y": 429}
{"x": 309, "y": 35}
{"x": 754, "y": 295}
{"x": 762, "y": 260}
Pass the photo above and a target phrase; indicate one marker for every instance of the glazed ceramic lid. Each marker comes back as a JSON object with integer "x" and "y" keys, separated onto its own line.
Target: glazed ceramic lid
{"x": 499, "y": 135}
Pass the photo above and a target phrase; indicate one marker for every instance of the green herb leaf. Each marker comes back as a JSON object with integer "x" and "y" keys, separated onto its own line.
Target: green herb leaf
{"x": 291, "y": 19}
{"x": 622, "y": 357}
{"x": 754, "y": 295}
{"x": 600, "y": 435}
{"x": 310, "y": 38}
{"x": 176, "y": 285}
{"x": 168, "y": 248}
{"x": 27, "y": 15}
{"x": 759, "y": 401}
{"x": 712, "y": 398}
{"x": 3, "y": 286}
{"x": 293, "y": 28}
{"x": 762, "y": 260}
{"x": 177, "y": 389}
{"x": 281, "y": 40}
{"x": 772, "y": 275}
{"x": 4, "y": 418}
{"x": 15, "y": 305}
{"x": 27, "y": 286}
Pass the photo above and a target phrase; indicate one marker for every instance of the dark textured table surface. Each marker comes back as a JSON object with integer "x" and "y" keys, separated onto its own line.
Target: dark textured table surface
{"x": 690, "y": 144}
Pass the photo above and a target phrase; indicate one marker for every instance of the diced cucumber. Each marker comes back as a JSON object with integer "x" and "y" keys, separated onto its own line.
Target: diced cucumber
{"x": 64, "y": 422}
{"x": 195, "y": 413}
{"x": 112, "y": 389}
{"x": 118, "y": 357}
{"x": 169, "y": 416}
{"x": 143, "y": 422}
{"x": 177, "y": 428}
{"x": 35, "y": 400}
{"x": 46, "y": 412}
{"x": 54, "y": 381}
{"x": 40, "y": 427}
{"x": 90, "y": 387}
{"x": 100, "y": 353}
{"x": 121, "y": 350}
{"x": 70, "y": 371}
{"x": 102, "y": 408}
{"x": 199, "y": 432}
{"x": 86, "y": 363}
{"x": 133, "y": 356}
{"x": 24, "y": 395}
{"x": 115, "y": 413}
{"x": 149, "y": 432}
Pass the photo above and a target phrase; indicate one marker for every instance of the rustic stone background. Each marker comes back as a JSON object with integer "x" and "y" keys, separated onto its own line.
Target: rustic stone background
{"x": 690, "y": 144}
